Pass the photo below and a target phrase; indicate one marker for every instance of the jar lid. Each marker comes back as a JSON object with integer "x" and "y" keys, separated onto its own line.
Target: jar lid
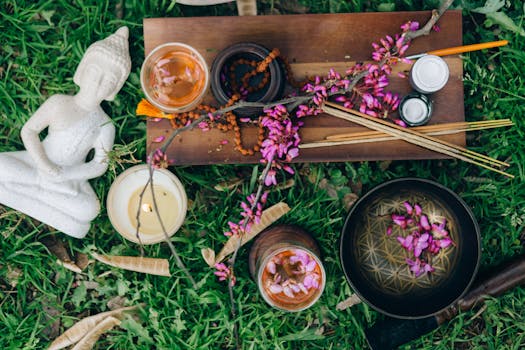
{"x": 415, "y": 109}
{"x": 429, "y": 74}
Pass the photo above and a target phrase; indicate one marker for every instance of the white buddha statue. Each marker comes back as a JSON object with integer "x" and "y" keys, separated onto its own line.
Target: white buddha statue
{"x": 49, "y": 180}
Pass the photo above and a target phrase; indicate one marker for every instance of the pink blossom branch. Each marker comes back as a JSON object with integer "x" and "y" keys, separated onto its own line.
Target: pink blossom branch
{"x": 233, "y": 259}
{"x": 427, "y": 28}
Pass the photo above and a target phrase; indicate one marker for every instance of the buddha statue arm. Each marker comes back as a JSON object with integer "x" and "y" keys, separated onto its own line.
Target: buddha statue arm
{"x": 99, "y": 164}
{"x": 30, "y": 137}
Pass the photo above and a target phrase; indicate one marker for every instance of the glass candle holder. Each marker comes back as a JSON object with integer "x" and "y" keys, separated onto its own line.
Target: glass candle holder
{"x": 123, "y": 204}
{"x": 429, "y": 74}
{"x": 285, "y": 263}
{"x": 174, "y": 77}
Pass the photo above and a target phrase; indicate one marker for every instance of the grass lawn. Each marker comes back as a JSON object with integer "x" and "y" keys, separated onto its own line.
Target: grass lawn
{"x": 41, "y": 43}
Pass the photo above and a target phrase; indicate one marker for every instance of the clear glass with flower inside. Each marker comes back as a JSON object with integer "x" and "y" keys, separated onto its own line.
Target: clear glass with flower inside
{"x": 285, "y": 263}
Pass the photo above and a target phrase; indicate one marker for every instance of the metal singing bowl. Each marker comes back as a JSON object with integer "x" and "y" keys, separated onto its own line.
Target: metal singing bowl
{"x": 374, "y": 263}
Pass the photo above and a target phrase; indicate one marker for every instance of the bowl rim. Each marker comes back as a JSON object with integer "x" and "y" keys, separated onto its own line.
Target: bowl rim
{"x": 390, "y": 183}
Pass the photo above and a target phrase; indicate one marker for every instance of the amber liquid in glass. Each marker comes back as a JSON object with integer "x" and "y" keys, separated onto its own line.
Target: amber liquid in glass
{"x": 177, "y": 79}
{"x": 285, "y": 270}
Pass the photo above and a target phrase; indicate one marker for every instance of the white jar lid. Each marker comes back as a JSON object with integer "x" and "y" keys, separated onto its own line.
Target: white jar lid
{"x": 414, "y": 111}
{"x": 429, "y": 74}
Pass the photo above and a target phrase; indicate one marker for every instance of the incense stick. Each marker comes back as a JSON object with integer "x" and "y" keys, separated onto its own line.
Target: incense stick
{"x": 375, "y": 136}
{"x": 429, "y": 129}
{"x": 415, "y": 137}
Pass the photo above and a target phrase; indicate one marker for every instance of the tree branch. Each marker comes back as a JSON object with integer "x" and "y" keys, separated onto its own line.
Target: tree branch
{"x": 427, "y": 28}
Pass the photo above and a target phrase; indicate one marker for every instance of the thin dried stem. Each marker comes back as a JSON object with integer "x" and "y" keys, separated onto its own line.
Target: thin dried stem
{"x": 233, "y": 259}
{"x": 178, "y": 260}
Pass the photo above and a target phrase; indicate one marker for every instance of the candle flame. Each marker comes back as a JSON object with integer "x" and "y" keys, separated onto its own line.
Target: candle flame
{"x": 147, "y": 207}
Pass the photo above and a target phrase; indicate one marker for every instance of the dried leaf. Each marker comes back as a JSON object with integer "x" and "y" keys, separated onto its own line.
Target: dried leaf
{"x": 228, "y": 185}
{"x": 52, "y": 321}
{"x": 56, "y": 247}
{"x": 349, "y": 199}
{"x": 92, "y": 336}
{"x": 69, "y": 265}
{"x": 13, "y": 275}
{"x": 82, "y": 260}
{"x": 209, "y": 256}
{"x": 351, "y": 301}
{"x": 82, "y": 327}
{"x": 116, "y": 302}
{"x": 152, "y": 266}
{"x": 268, "y": 217}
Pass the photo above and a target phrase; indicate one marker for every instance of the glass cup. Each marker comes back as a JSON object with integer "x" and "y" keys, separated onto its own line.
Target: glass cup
{"x": 284, "y": 261}
{"x": 174, "y": 77}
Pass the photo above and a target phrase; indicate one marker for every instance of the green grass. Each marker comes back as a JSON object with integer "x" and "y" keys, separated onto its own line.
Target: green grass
{"x": 41, "y": 43}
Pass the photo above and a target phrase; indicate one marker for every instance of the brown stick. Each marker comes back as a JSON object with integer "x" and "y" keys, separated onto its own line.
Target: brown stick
{"x": 414, "y": 137}
{"x": 425, "y": 30}
{"x": 428, "y": 128}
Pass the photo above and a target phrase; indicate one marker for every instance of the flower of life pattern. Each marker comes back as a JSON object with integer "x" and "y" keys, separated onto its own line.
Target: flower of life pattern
{"x": 382, "y": 258}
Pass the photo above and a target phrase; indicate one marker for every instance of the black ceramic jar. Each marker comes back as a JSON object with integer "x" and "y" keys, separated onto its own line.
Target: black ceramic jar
{"x": 231, "y": 65}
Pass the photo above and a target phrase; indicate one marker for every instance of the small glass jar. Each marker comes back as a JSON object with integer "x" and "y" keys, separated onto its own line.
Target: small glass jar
{"x": 174, "y": 77}
{"x": 284, "y": 261}
{"x": 415, "y": 109}
{"x": 429, "y": 74}
{"x": 232, "y": 64}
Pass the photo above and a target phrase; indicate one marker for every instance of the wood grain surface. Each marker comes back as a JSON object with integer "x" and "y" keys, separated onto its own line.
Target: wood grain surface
{"x": 312, "y": 44}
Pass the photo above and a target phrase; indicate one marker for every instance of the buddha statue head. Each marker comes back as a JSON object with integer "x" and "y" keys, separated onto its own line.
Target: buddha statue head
{"x": 111, "y": 56}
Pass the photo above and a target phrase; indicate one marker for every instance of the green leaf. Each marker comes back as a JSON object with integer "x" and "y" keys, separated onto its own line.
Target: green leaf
{"x": 386, "y": 7}
{"x": 47, "y": 16}
{"x": 505, "y": 22}
{"x": 79, "y": 295}
{"x": 122, "y": 287}
{"x": 491, "y": 6}
{"x": 309, "y": 334}
{"x": 179, "y": 324}
{"x": 136, "y": 329}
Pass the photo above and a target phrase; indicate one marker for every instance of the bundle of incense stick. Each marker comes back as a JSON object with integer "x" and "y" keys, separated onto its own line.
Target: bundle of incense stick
{"x": 416, "y": 138}
{"x": 432, "y": 130}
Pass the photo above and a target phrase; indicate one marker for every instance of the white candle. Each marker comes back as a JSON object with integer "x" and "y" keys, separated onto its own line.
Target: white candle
{"x": 123, "y": 203}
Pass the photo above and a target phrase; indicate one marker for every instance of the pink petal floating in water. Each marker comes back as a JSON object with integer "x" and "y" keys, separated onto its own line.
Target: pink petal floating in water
{"x": 271, "y": 267}
{"x": 159, "y": 139}
{"x": 288, "y": 292}
{"x": 311, "y": 266}
{"x": 275, "y": 289}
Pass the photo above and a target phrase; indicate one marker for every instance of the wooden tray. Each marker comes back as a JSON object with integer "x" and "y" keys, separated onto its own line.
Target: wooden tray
{"x": 312, "y": 44}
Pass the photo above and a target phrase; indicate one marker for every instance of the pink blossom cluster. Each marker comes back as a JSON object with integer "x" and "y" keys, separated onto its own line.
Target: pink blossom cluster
{"x": 292, "y": 274}
{"x": 251, "y": 213}
{"x": 159, "y": 159}
{"x": 224, "y": 273}
{"x": 392, "y": 49}
{"x": 281, "y": 143}
{"x": 424, "y": 241}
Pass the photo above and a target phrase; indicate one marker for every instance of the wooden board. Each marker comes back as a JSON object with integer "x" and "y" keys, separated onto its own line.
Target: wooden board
{"x": 313, "y": 44}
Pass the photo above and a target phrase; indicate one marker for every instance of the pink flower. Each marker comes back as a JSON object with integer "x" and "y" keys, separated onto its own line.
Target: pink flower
{"x": 408, "y": 208}
{"x": 424, "y": 222}
{"x": 224, "y": 273}
{"x": 407, "y": 242}
{"x": 270, "y": 178}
